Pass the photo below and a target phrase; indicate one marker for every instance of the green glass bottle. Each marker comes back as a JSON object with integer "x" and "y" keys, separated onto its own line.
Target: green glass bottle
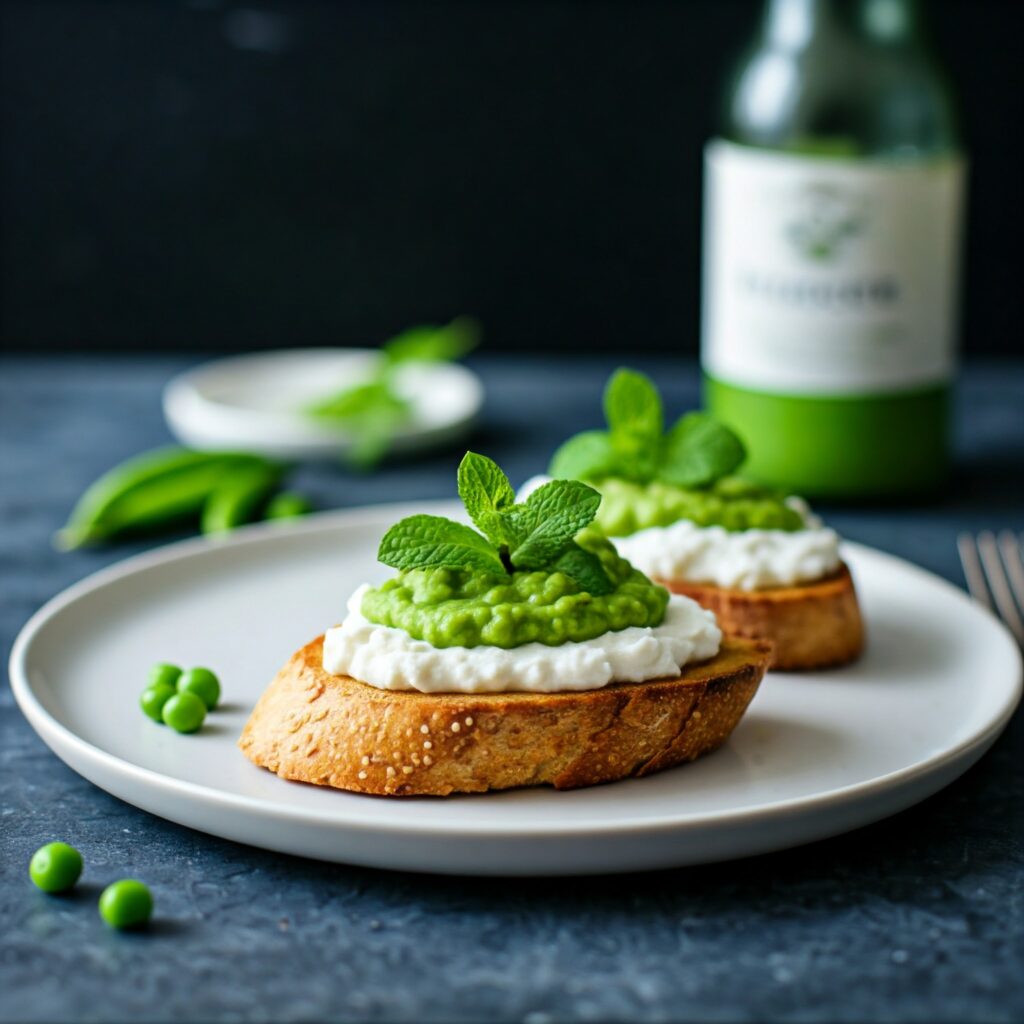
{"x": 833, "y": 207}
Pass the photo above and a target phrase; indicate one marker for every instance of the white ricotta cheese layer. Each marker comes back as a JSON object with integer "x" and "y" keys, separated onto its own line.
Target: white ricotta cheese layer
{"x": 390, "y": 659}
{"x": 744, "y": 560}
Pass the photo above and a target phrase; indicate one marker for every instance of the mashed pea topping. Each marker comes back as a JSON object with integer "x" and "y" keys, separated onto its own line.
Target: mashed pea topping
{"x": 731, "y": 503}
{"x": 460, "y": 608}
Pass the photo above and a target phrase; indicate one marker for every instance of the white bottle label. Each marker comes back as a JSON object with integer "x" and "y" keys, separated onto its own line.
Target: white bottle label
{"x": 829, "y": 276}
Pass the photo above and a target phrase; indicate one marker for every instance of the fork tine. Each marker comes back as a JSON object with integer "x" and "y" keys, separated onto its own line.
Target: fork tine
{"x": 1009, "y": 547}
{"x": 973, "y": 573}
{"x": 996, "y": 575}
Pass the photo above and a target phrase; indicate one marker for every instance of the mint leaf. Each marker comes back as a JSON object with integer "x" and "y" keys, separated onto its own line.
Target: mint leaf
{"x": 361, "y": 400}
{"x": 433, "y": 542}
{"x": 694, "y": 453}
{"x": 585, "y": 568}
{"x": 632, "y": 407}
{"x": 370, "y": 413}
{"x": 634, "y": 413}
{"x": 431, "y": 344}
{"x": 698, "y": 450}
{"x": 540, "y": 532}
{"x": 373, "y": 411}
{"x": 570, "y": 501}
{"x": 486, "y": 492}
{"x": 556, "y": 512}
{"x": 587, "y": 456}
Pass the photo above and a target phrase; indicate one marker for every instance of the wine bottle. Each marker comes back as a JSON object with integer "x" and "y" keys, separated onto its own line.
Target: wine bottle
{"x": 832, "y": 225}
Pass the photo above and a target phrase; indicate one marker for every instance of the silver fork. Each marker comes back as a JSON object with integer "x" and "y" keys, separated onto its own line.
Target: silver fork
{"x": 994, "y": 570}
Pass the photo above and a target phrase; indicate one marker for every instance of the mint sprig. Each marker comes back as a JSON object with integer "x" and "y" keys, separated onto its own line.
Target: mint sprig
{"x": 374, "y": 411}
{"x": 430, "y": 344}
{"x": 537, "y": 535}
{"x": 696, "y": 451}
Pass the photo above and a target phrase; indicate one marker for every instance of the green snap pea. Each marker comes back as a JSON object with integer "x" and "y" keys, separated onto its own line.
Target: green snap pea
{"x": 238, "y": 497}
{"x": 154, "y": 698}
{"x": 126, "y": 904}
{"x": 203, "y": 683}
{"x": 95, "y": 506}
{"x": 184, "y": 712}
{"x": 55, "y": 867}
{"x": 152, "y": 490}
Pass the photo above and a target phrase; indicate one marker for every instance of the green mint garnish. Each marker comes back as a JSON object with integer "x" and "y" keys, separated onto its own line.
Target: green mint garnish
{"x": 535, "y": 536}
{"x": 374, "y": 411}
{"x": 699, "y": 450}
{"x": 632, "y": 407}
{"x": 433, "y": 542}
{"x": 695, "y": 452}
{"x": 584, "y": 567}
{"x": 488, "y": 497}
{"x": 433, "y": 344}
{"x": 550, "y": 519}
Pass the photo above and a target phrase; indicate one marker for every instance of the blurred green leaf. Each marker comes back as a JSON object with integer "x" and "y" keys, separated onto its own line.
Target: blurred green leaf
{"x": 429, "y": 344}
{"x": 372, "y": 410}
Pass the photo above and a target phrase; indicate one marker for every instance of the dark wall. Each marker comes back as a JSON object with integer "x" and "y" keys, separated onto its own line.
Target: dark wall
{"x": 225, "y": 175}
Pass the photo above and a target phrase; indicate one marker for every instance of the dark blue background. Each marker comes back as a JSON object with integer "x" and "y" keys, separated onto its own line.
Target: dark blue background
{"x": 232, "y": 175}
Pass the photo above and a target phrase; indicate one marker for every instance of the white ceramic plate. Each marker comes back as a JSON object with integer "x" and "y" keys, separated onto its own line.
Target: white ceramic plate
{"x": 252, "y": 402}
{"x": 816, "y": 754}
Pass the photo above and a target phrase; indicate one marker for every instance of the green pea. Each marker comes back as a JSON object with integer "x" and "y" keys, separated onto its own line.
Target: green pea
{"x": 126, "y": 904}
{"x": 184, "y": 712}
{"x": 203, "y": 683}
{"x": 163, "y": 674}
{"x": 287, "y": 505}
{"x": 154, "y": 698}
{"x": 55, "y": 867}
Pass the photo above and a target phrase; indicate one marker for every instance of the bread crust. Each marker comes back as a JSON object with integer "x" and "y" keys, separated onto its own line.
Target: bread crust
{"x": 813, "y": 625}
{"x": 329, "y": 730}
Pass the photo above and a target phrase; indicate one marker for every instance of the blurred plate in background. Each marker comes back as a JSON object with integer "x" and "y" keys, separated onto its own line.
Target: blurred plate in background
{"x": 253, "y": 402}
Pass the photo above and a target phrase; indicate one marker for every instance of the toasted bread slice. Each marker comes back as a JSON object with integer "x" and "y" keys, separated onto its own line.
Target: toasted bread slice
{"x": 335, "y": 731}
{"x": 813, "y": 625}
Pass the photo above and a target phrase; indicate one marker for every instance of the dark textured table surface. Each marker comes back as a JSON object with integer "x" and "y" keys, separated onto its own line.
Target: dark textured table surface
{"x": 918, "y": 918}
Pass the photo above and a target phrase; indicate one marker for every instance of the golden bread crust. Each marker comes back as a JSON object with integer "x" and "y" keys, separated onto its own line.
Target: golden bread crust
{"x": 329, "y": 730}
{"x": 813, "y": 625}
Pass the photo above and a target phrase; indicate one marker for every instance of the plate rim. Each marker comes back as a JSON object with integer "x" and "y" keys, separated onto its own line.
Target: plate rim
{"x": 53, "y": 731}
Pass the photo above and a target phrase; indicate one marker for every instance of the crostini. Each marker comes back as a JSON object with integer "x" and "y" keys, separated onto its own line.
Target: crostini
{"x": 761, "y": 561}
{"x": 528, "y": 653}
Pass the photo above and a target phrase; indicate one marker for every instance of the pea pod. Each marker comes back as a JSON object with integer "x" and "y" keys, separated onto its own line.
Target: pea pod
{"x": 149, "y": 491}
{"x": 239, "y": 497}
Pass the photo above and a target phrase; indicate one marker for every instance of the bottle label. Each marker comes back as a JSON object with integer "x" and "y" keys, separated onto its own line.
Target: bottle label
{"x": 829, "y": 276}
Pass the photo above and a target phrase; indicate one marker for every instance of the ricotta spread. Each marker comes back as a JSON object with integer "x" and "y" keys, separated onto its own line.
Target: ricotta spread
{"x": 747, "y": 560}
{"x": 390, "y": 659}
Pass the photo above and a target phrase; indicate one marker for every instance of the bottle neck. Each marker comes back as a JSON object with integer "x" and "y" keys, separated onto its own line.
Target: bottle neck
{"x": 793, "y": 25}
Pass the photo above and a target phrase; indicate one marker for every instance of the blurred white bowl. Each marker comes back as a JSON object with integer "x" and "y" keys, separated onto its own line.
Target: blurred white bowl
{"x": 252, "y": 402}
